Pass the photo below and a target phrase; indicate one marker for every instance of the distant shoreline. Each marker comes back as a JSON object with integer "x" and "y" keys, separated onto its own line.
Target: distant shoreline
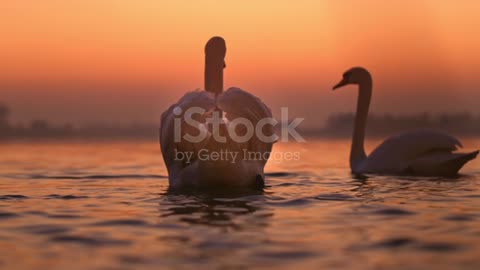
{"x": 337, "y": 126}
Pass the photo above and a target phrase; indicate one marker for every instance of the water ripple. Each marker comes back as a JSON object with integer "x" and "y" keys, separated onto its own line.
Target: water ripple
{"x": 335, "y": 197}
{"x": 12, "y": 197}
{"x": 89, "y": 241}
{"x": 393, "y": 212}
{"x": 63, "y": 216}
{"x": 5, "y": 215}
{"x": 280, "y": 174}
{"x": 439, "y": 247}
{"x": 45, "y": 229}
{"x": 122, "y": 222}
{"x": 292, "y": 202}
{"x": 460, "y": 217}
{"x": 394, "y": 242}
{"x": 65, "y": 197}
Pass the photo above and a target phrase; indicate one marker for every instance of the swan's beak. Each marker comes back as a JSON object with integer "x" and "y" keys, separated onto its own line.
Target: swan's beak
{"x": 224, "y": 64}
{"x": 343, "y": 82}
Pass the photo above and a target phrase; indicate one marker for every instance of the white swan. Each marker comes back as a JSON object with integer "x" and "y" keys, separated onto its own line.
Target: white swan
{"x": 423, "y": 152}
{"x": 211, "y": 163}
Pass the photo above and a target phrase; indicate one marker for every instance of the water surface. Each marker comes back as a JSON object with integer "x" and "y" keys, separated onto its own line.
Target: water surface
{"x": 102, "y": 205}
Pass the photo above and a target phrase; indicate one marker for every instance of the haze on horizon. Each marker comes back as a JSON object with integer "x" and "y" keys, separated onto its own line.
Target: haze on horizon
{"x": 122, "y": 61}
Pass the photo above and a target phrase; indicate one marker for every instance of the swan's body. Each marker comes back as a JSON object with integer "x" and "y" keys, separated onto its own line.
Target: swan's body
{"x": 424, "y": 152}
{"x": 234, "y": 169}
{"x": 217, "y": 160}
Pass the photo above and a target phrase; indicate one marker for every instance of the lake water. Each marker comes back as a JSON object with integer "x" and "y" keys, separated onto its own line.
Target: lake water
{"x": 98, "y": 205}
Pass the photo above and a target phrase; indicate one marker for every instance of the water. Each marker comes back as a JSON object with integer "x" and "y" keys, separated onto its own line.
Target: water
{"x": 104, "y": 205}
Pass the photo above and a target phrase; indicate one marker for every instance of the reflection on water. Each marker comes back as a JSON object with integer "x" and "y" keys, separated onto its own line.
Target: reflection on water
{"x": 236, "y": 211}
{"x": 90, "y": 206}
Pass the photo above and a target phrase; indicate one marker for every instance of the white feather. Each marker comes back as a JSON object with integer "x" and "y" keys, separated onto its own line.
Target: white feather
{"x": 399, "y": 153}
{"x": 207, "y": 173}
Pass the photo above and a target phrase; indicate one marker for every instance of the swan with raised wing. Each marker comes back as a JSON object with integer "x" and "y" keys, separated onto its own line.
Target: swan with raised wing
{"x": 422, "y": 152}
{"x": 212, "y": 162}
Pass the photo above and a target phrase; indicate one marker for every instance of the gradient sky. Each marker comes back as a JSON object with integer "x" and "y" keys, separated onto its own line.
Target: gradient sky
{"x": 121, "y": 61}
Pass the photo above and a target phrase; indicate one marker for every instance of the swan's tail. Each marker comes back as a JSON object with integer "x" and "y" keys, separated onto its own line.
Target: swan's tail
{"x": 462, "y": 159}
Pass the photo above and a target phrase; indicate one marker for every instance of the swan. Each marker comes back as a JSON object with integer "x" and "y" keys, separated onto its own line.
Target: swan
{"x": 422, "y": 152}
{"x": 211, "y": 163}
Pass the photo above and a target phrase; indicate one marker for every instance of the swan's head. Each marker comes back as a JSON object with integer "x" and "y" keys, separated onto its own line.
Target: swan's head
{"x": 356, "y": 75}
{"x": 215, "y": 50}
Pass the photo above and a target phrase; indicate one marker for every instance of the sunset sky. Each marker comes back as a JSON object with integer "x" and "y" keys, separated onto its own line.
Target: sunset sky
{"x": 119, "y": 61}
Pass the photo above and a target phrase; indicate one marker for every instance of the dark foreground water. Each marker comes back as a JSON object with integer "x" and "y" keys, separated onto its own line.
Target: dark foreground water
{"x": 106, "y": 206}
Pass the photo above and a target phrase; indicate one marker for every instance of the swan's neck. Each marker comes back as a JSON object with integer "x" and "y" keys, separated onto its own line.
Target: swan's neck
{"x": 357, "y": 153}
{"x": 214, "y": 74}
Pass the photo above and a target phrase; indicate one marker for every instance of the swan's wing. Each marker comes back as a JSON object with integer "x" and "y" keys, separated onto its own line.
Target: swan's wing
{"x": 237, "y": 103}
{"x": 199, "y": 99}
{"x": 398, "y": 152}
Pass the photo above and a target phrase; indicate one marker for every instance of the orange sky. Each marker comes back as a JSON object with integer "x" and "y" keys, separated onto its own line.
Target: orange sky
{"x": 123, "y": 61}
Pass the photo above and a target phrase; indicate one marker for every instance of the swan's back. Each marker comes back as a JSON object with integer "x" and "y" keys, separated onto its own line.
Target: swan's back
{"x": 244, "y": 171}
{"x": 239, "y": 103}
{"x": 169, "y": 146}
